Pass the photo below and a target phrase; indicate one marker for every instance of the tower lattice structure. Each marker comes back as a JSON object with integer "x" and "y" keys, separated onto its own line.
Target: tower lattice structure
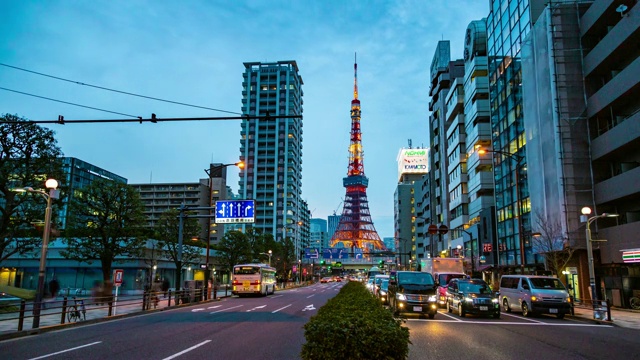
{"x": 356, "y": 229}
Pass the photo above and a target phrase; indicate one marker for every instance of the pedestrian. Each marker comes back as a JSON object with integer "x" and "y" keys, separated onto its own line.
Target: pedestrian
{"x": 165, "y": 286}
{"x": 54, "y": 287}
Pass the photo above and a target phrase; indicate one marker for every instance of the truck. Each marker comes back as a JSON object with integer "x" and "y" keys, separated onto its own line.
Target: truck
{"x": 443, "y": 270}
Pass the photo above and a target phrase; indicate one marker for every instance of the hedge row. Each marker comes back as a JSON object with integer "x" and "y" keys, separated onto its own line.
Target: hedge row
{"x": 355, "y": 325}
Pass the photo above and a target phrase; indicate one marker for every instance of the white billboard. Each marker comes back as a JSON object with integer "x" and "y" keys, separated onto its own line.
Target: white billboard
{"x": 413, "y": 161}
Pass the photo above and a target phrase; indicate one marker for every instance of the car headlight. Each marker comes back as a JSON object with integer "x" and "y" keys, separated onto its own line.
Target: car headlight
{"x": 401, "y": 297}
{"x": 533, "y": 298}
{"x": 468, "y": 299}
{"x": 495, "y": 301}
{"x": 433, "y": 298}
{"x": 383, "y": 293}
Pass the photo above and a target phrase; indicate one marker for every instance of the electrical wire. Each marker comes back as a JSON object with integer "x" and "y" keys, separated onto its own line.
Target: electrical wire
{"x": 119, "y": 91}
{"x": 69, "y": 103}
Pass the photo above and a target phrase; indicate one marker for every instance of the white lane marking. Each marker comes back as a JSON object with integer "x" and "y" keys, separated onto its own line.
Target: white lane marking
{"x": 522, "y": 317}
{"x": 194, "y": 310}
{"x": 186, "y": 350}
{"x": 450, "y": 316}
{"x": 257, "y": 307}
{"x": 275, "y": 311}
{"x": 213, "y": 307}
{"x": 274, "y": 296}
{"x": 508, "y": 323}
{"x": 64, "y": 351}
{"x": 233, "y": 307}
{"x": 310, "y": 296}
{"x": 309, "y": 308}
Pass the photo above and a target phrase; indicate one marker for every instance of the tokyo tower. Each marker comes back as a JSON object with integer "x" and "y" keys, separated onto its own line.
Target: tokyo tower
{"x": 355, "y": 229}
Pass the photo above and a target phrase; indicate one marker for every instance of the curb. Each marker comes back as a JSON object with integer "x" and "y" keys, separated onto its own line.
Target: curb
{"x": 45, "y": 329}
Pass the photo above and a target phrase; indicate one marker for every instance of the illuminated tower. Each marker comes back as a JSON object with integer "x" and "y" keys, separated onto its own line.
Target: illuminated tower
{"x": 356, "y": 229}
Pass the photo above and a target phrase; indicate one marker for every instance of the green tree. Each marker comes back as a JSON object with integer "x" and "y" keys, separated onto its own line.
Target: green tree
{"x": 284, "y": 257}
{"x": 233, "y": 248}
{"x": 29, "y": 155}
{"x": 166, "y": 231}
{"x": 105, "y": 222}
{"x": 260, "y": 243}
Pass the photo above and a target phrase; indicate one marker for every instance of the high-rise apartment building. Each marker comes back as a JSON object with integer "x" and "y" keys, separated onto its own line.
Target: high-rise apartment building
{"x": 160, "y": 197}
{"x": 271, "y": 146}
{"x": 443, "y": 73}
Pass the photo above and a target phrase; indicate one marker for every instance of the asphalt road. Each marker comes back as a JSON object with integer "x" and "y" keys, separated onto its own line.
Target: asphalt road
{"x": 515, "y": 337}
{"x": 234, "y": 328}
{"x": 272, "y": 328}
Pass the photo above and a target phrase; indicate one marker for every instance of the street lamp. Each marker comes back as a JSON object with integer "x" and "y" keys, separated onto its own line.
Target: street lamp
{"x": 518, "y": 212}
{"x": 52, "y": 185}
{"x": 471, "y": 239}
{"x": 211, "y": 172}
{"x": 269, "y": 255}
{"x": 586, "y": 211}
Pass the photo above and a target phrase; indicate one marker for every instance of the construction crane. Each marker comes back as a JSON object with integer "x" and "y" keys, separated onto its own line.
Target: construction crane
{"x": 338, "y": 207}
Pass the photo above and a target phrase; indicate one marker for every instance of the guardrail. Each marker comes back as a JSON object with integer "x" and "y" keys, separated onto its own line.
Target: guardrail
{"x": 17, "y": 317}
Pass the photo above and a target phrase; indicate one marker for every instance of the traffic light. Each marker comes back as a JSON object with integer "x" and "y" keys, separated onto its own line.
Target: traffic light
{"x": 322, "y": 262}
{"x": 380, "y": 262}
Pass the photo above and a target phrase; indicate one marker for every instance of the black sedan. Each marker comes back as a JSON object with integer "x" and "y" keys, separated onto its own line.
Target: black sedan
{"x": 472, "y": 296}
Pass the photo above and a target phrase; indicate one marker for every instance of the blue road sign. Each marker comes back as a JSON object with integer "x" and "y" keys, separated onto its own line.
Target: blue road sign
{"x": 311, "y": 253}
{"x": 335, "y": 253}
{"x": 235, "y": 211}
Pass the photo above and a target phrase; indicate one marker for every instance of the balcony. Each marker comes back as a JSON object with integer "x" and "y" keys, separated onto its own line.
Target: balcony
{"x": 479, "y": 108}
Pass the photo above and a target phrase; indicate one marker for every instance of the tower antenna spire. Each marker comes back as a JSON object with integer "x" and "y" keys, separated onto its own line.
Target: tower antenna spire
{"x": 355, "y": 76}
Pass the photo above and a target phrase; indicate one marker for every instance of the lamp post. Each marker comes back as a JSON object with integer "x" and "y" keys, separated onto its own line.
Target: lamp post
{"x": 473, "y": 264}
{"x": 586, "y": 211}
{"x": 269, "y": 255}
{"x": 52, "y": 185}
{"x": 518, "y": 212}
{"x": 211, "y": 172}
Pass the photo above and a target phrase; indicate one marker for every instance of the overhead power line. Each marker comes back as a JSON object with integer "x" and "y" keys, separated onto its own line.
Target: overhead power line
{"x": 119, "y": 91}
{"x": 155, "y": 119}
{"x": 69, "y": 103}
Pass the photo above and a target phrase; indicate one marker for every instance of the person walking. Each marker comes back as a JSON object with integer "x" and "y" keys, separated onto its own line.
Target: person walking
{"x": 54, "y": 287}
{"x": 165, "y": 286}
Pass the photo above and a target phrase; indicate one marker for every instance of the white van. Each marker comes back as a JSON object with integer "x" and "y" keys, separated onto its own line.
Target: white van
{"x": 531, "y": 294}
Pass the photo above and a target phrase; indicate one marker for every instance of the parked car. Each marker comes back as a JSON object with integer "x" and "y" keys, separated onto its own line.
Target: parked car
{"x": 472, "y": 296}
{"x": 383, "y": 291}
{"x": 413, "y": 292}
{"x": 532, "y": 294}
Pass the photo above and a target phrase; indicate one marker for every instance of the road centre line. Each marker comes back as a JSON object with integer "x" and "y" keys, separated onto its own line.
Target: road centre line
{"x": 233, "y": 307}
{"x": 64, "y": 351}
{"x": 510, "y": 323}
{"x": 310, "y": 296}
{"x": 186, "y": 350}
{"x": 275, "y": 311}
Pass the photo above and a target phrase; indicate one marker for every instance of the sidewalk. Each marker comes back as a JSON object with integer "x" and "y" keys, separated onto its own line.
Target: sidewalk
{"x": 619, "y": 317}
{"x": 51, "y": 316}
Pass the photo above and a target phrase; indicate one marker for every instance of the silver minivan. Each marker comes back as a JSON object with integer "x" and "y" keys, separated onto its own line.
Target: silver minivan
{"x": 532, "y": 294}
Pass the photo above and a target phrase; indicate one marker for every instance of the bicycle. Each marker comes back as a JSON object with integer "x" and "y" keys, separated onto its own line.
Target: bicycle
{"x": 634, "y": 302}
{"x": 77, "y": 311}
